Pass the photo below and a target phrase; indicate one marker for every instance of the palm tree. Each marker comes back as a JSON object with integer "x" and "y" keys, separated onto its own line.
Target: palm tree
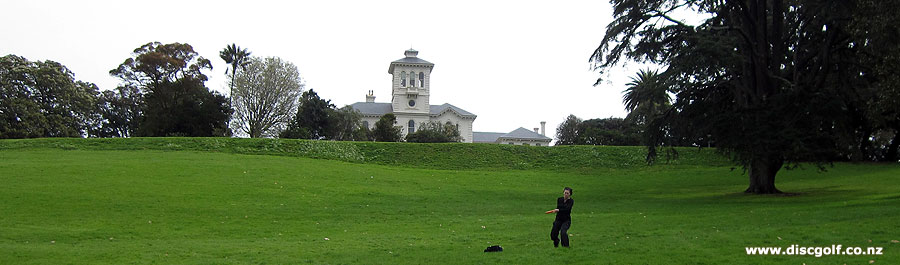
{"x": 646, "y": 96}
{"x": 235, "y": 56}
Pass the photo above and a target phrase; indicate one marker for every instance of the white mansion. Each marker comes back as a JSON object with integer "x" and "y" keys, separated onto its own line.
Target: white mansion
{"x": 410, "y": 91}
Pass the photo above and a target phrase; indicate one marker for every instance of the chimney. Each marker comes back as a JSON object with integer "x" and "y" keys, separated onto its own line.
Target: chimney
{"x": 543, "y": 125}
{"x": 371, "y": 96}
{"x": 536, "y": 131}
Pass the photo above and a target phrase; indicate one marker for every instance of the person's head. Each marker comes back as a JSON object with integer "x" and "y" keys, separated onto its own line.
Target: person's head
{"x": 567, "y": 192}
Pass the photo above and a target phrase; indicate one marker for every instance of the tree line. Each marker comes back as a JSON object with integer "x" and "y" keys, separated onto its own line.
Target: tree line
{"x": 162, "y": 93}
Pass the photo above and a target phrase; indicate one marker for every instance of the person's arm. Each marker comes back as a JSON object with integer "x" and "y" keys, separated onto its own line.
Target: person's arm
{"x": 552, "y": 211}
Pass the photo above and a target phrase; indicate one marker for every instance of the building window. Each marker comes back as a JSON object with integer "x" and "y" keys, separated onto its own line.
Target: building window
{"x": 366, "y": 124}
{"x": 421, "y": 79}
{"x": 412, "y": 126}
{"x": 537, "y": 144}
{"x": 412, "y": 103}
{"x": 403, "y": 79}
{"x": 412, "y": 79}
{"x": 512, "y": 143}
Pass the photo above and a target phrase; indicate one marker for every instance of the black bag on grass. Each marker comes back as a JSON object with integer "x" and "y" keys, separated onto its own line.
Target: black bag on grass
{"x": 494, "y": 248}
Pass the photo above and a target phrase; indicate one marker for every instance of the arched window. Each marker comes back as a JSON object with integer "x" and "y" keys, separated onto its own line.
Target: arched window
{"x": 366, "y": 124}
{"x": 412, "y": 79}
{"x": 403, "y": 79}
{"x": 421, "y": 79}
{"x": 412, "y": 126}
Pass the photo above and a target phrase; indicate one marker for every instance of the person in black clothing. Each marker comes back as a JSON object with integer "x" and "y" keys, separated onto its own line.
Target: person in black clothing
{"x": 563, "y": 218}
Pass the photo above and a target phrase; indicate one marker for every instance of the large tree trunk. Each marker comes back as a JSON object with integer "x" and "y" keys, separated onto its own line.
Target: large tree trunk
{"x": 762, "y": 175}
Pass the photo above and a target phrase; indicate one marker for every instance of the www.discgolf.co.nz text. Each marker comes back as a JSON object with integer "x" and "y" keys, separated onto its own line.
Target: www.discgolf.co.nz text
{"x": 797, "y": 250}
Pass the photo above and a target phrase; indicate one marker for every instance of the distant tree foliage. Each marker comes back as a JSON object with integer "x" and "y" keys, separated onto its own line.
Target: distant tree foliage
{"x": 311, "y": 120}
{"x": 43, "y": 99}
{"x": 344, "y": 125}
{"x": 176, "y": 101}
{"x": 435, "y": 132}
{"x": 120, "y": 111}
{"x": 773, "y": 83}
{"x": 608, "y": 131}
{"x": 567, "y": 132}
{"x": 385, "y": 131}
{"x": 265, "y": 96}
{"x": 318, "y": 119}
{"x": 877, "y": 136}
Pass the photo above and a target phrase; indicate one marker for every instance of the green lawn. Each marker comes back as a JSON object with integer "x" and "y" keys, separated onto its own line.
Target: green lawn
{"x": 68, "y": 205}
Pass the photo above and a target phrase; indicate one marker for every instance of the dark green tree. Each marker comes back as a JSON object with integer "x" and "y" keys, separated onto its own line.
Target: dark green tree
{"x": 43, "y": 99}
{"x": 766, "y": 79}
{"x": 312, "y": 119}
{"x": 435, "y": 132}
{"x": 176, "y": 101}
{"x": 385, "y": 131}
{"x": 364, "y": 134}
{"x": 609, "y": 131}
{"x": 185, "y": 108}
{"x": 567, "y": 132}
{"x": 878, "y": 136}
{"x": 236, "y": 57}
{"x": 120, "y": 110}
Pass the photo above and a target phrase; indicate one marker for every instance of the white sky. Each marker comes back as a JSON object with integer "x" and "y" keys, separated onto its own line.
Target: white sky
{"x": 512, "y": 63}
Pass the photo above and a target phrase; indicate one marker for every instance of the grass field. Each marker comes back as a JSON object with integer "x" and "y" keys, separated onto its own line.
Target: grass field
{"x": 121, "y": 202}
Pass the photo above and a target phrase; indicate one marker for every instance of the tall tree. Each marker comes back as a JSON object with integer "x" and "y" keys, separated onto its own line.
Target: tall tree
{"x": 176, "y": 101}
{"x": 43, "y": 99}
{"x": 765, "y": 79}
{"x": 236, "y": 57}
{"x": 266, "y": 96}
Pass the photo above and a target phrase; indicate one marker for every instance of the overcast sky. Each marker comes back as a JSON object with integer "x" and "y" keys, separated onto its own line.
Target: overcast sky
{"x": 512, "y": 63}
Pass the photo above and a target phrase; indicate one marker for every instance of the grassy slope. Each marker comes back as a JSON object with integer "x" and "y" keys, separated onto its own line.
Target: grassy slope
{"x": 434, "y": 156}
{"x": 157, "y": 206}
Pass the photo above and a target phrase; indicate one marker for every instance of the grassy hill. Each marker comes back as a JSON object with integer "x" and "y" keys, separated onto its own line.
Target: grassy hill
{"x": 238, "y": 201}
{"x": 436, "y": 156}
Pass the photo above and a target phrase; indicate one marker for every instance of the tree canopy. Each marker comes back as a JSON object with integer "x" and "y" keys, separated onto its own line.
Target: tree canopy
{"x": 435, "y": 132}
{"x": 386, "y": 131}
{"x": 266, "y": 96}
{"x": 43, "y": 99}
{"x": 175, "y": 100}
{"x": 608, "y": 131}
{"x": 771, "y": 82}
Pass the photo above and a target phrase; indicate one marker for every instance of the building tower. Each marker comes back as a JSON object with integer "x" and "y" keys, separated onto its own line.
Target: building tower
{"x": 411, "y": 85}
